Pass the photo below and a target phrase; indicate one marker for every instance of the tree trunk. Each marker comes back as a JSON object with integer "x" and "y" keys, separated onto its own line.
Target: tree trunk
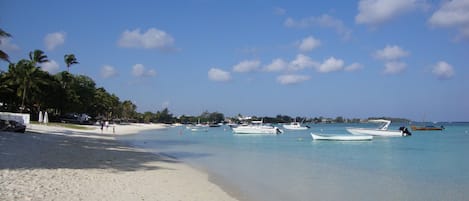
{"x": 22, "y": 101}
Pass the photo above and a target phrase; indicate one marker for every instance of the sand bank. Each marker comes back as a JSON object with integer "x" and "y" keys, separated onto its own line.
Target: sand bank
{"x": 55, "y": 163}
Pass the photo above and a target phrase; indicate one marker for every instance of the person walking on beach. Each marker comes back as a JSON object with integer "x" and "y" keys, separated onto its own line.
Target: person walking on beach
{"x": 102, "y": 126}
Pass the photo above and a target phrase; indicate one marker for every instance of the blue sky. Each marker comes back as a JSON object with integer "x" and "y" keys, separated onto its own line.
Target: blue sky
{"x": 399, "y": 58}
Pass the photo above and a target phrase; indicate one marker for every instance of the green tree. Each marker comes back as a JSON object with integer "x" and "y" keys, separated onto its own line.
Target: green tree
{"x": 128, "y": 110}
{"x": 164, "y": 116}
{"x": 37, "y": 57}
{"x": 25, "y": 76}
{"x": 70, "y": 60}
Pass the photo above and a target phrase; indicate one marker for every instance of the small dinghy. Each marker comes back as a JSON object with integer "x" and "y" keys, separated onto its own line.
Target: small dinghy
{"x": 342, "y": 137}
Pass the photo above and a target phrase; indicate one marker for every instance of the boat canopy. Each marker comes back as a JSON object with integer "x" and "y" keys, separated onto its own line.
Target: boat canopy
{"x": 385, "y": 123}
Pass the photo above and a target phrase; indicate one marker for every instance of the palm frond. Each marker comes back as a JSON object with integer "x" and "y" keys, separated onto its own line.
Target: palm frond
{"x": 4, "y": 56}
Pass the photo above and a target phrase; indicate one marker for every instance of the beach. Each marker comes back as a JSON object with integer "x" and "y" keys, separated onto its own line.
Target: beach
{"x": 56, "y": 163}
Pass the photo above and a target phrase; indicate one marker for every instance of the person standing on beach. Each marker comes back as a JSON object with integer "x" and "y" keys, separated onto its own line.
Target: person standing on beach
{"x": 102, "y": 126}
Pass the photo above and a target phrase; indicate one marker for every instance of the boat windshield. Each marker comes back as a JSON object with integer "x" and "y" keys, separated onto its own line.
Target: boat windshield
{"x": 384, "y": 124}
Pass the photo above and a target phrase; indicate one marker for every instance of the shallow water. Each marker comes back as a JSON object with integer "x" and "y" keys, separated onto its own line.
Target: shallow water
{"x": 429, "y": 165}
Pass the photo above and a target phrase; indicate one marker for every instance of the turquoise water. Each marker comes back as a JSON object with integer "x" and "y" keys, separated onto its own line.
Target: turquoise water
{"x": 429, "y": 165}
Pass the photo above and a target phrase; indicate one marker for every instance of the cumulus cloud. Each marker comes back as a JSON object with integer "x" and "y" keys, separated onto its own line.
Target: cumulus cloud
{"x": 279, "y": 11}
{"x": 353, "y": 67}
{"x": 7, "y": 45}
{"x": 276, "y": 65}
{"x": 138, "y": 70}
{"x": 324, "y": 20}
{"x": 330, "y": 65}
{"x": 443, "y": 70}
{"x": 246, "y": 66}
{"x": 391, "y": 53}
{"x": 52, "y": 66}
{"x": 308, "y": 44}
{"x": 394, "y": 67}
{"x": 453, "y": 13}
{"x": 301, "y": 62}
{"x": 219, "y": 75}
{"x": 53, "y": 40}
{"x": 374, "y": 12}
{"x": 151, "y": 39}
{"x": 108, "y": 71}
{"x": 292, "y": 79}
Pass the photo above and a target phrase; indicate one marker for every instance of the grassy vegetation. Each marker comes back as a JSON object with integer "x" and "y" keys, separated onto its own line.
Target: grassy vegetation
{"x": 66, "y": 125}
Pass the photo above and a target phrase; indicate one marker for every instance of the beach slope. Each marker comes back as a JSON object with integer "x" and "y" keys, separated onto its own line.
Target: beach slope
{"x": 53, "y": 163}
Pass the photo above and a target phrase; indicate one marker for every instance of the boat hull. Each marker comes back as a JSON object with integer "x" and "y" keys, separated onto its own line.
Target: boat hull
{"x": 342, "y": 137}
{"x": 298, "y": 128}
{"x": 415, "y": 128}
{"x": 256, "y": 130}
{"x": 375, "y": 132}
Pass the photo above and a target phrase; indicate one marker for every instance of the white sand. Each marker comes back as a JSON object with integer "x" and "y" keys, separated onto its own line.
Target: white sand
{"x": 54, "y": 163}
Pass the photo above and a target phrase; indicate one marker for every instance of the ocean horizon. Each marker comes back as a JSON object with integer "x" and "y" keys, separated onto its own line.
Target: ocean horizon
{"x": 429, "y": 165}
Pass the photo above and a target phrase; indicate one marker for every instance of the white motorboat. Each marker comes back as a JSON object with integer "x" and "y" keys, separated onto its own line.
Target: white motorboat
{"x": 382, "y": 130}
{"x": 295, "y": 126}
{"x": 197, "y": 128}
{"x": 256, "y": 127}
{"x": 342, "y": 137}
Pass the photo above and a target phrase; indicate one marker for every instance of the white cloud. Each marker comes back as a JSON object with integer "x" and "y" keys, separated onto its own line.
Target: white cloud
{"x": 292, "y": 79}
{"x": 279, "y": 11}
{"x": 54, "y": 40}
{"x": 151, "y": 73}
{"x": 338, "y": 25}
{"x": 151, "y": 39}
{"x": 353, "y": 67}
{"x": 322, "y": 21}
{"x": 374, "y": 12}
{"x": 219, "y": 75}
{"x": 330, "y": 65}
{"x": 391, "y": 53}
{"x": 246, "y": 66}
{"x": 301, "y": 62}
{"x": 52, "y": 66}
{"x": 138, "y": 70}
{"x": 5, "y": 44}
{"x": 308, "y": 44}
{"x": 443, "y": 70}
{"x": 394, "y": 67}
{"x": 453, "y": 13}
{"x": 276, "y": 65}
{"x": 108, "y": 71}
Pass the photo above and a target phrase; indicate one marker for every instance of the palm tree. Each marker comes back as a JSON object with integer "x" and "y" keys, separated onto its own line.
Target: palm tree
{"x": 70, "y": 59}
{"x": 23, "y": 74}
{"x": 26, "y": 74}
{"x": 37, "y": 56}
{"x": 3, "y": 55}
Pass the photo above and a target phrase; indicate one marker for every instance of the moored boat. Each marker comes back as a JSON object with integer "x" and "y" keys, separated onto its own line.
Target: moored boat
{"x": 427, "y": 128}
{"x": 382, "y": 130}
{"x": 295, "y": 126}
{"x": 342, "y": 137}
{"x": 256, "y": 127}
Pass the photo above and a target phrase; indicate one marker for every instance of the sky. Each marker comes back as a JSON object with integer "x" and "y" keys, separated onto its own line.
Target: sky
{"x": 355, "y": 59}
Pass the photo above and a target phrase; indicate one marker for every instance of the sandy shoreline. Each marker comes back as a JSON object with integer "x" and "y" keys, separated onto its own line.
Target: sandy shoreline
{"x": 55, "y": 163}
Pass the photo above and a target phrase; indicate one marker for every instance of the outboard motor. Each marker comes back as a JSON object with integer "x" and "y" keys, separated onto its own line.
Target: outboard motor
{"x": 405, "y": 131}
{"x": 279, "y": 131}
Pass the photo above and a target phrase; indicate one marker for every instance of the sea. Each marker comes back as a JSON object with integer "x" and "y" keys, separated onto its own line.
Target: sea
{"x": 429, "y": 165}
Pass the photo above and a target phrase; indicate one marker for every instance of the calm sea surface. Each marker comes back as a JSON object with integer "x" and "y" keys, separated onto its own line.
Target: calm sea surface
{"x": 429, "y": 165}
